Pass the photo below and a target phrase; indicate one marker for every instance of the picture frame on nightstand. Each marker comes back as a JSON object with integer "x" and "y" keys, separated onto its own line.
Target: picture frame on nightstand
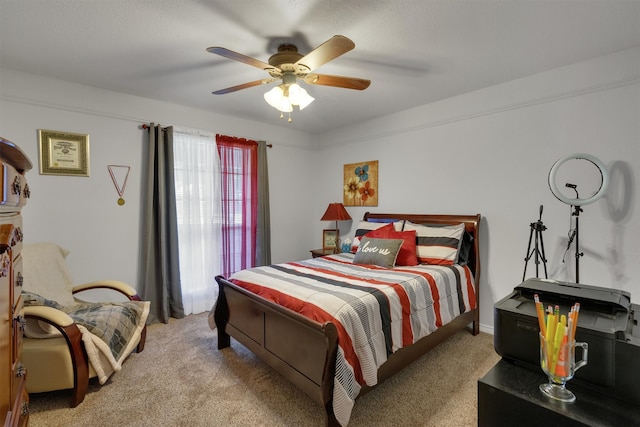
{"x": 330, "y": 239}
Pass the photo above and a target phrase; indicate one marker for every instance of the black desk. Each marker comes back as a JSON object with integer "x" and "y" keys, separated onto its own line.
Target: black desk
{"x": 508, "y": 396}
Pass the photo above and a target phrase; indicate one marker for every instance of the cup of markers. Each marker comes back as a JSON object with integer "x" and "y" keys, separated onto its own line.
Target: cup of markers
{"x": 557, "y": 349}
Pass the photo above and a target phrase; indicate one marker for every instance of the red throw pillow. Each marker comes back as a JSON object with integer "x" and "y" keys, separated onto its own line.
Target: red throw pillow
{"x": 382, "y": 232}
{"x": 407, "y": 253}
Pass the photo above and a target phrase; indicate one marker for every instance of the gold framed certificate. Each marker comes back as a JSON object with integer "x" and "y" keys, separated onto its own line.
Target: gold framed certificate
{"x": 63, "y": 153}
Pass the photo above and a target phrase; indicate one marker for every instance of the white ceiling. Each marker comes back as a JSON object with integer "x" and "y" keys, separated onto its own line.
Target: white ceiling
{"x": 414, "y": 52}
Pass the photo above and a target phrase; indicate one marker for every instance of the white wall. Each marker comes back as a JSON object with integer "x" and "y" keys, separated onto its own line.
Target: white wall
{"x": 490, "y": 152}
{"x": 81, "y": 213}
{"x": 485, "y": 152}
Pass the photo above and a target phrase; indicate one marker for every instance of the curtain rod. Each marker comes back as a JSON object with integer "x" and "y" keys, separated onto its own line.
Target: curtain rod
{"x": 146, "y": 126}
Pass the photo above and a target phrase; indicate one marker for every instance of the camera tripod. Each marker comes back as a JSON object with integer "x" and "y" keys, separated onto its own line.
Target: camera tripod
{"x": 538, "y": 250}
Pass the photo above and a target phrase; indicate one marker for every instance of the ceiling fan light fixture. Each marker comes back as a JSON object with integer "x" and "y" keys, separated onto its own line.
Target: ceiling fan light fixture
{"x": 283, "y": 97}
{"x": 299, "y": 96}
{"x": 277, "y": 99}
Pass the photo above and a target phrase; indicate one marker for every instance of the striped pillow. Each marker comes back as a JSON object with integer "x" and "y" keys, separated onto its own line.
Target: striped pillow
{"x": 365, "y": 226}
{"x": 437, "y": 244}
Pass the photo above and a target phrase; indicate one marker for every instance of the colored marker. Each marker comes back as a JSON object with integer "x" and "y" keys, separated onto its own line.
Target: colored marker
{"x": 540, "y": 312}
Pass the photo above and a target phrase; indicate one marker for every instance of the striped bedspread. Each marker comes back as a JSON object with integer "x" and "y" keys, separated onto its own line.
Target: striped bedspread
{"x": 376, "y": 311}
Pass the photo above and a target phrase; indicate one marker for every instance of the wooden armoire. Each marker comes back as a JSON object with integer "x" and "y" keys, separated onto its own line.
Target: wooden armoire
{"x": 14, "y": 398}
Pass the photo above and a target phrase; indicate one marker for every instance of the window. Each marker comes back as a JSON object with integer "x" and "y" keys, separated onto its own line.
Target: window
{"x": 216, "y": 204}
{"x": 198, "y": 206}
{"x": 239, "y": 168}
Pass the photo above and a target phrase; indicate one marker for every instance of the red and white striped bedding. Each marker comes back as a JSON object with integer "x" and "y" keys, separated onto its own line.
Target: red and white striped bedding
{"x": 376, "y": 310}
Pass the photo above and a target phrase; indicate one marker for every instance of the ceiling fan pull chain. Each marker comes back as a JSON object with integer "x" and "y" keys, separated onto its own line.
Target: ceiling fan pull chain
{"x": 289, "y": 121}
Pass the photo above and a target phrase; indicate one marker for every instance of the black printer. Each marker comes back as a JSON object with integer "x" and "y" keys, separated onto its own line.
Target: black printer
{"x": 608, "y": 322}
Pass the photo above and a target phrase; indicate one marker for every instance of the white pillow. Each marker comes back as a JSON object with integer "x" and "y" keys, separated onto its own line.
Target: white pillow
{"x": 45, "y": 272}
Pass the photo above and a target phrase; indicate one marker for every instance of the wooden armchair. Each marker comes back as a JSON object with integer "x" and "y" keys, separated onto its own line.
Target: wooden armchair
{"x": 59, "y": 352}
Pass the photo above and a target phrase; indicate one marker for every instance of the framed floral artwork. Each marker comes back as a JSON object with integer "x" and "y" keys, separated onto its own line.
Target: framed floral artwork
{"x": 361, "y": 184}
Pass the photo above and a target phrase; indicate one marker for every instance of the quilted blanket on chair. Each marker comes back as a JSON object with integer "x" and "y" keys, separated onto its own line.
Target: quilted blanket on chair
{"x": 108, "y": 329}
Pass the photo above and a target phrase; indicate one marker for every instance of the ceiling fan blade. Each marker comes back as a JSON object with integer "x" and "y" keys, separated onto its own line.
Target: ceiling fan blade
{"x": 241, "y": 58}
{"x": 243, "y": 86}
{"x": 337, "y": 81}
{"x": 331, "y": 49}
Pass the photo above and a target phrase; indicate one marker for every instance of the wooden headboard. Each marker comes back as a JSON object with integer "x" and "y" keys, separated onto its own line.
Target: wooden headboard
{"x": 471, "y": 223}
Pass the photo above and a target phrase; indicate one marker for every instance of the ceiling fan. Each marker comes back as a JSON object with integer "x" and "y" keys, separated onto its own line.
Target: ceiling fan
{"x": 288, "y": 65}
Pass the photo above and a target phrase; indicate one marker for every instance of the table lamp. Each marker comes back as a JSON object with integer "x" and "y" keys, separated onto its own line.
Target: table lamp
{"x": 336, "y": 212}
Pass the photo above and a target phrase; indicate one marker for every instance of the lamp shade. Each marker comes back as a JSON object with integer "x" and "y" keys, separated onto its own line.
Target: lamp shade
{"x": 298, "y": 96}
{"x": 277, "y": 99}
{"x": 335, "y": 212}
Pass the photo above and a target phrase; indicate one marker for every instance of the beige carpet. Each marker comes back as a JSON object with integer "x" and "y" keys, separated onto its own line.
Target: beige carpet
{"x": 181, "y": 379}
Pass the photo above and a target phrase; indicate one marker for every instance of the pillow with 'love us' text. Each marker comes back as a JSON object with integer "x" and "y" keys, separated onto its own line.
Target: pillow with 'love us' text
{"x": 380, "y": 252}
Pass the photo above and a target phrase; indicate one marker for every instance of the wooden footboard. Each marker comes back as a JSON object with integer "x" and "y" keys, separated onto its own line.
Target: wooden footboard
{"x": 304, "y": 351}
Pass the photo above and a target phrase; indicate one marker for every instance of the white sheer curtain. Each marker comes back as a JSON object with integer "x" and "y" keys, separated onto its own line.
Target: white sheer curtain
{"x": 198, "y": 205}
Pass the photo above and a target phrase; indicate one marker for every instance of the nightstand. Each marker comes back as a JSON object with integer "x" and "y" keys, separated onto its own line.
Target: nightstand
{"x": 322, "y": 252}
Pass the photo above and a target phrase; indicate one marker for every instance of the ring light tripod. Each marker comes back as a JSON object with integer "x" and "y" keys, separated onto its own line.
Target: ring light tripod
{"x": 577, "y": 202}
{"x": 537, "y": 228}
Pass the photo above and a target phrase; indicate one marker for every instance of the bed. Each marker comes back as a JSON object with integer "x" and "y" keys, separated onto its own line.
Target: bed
{"x": 282, "y": 313}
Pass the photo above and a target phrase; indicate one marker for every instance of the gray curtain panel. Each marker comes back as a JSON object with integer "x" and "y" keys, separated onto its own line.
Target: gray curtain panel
{"x": 159, "y": 261}
{"x": 263, "y": 234}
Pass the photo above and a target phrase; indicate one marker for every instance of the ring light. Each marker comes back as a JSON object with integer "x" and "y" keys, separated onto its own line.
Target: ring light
{"x": 577, "y": 201}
